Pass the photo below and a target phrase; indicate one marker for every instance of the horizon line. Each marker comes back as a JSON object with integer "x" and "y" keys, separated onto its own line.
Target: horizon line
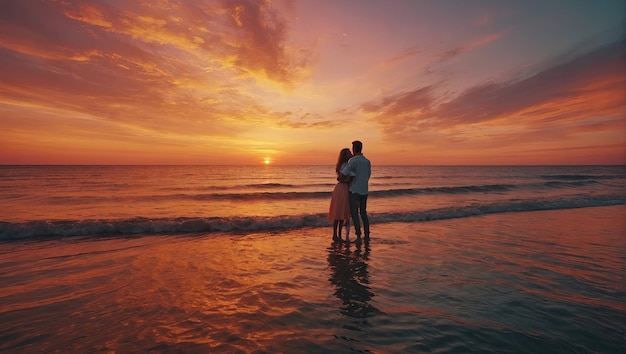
{"x": 295, "y": 165}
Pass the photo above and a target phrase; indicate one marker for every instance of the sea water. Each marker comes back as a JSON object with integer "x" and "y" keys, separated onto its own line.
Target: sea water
{"x": 226, "y": 259}
{"x": 51, "y": 201}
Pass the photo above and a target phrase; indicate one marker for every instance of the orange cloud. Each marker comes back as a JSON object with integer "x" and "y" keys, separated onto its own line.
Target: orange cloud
{"x": 563, "y": 103}
{"x": 166, "y": 60}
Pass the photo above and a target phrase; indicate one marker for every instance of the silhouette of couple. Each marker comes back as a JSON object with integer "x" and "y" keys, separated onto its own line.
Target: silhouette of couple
{"x": 349, "y": 197}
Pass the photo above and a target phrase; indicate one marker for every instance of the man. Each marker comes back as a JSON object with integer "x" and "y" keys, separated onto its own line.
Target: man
{"x": 361, "y": 168}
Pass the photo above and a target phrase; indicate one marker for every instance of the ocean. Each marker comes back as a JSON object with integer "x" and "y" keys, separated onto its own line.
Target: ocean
{"x": 58, "y": 201}
{"x": 240, "y": 259}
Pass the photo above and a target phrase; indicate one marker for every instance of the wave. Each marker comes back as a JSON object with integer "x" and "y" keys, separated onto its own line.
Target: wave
{"x": 301, "y": 195}
{"x": 580, "y": 177}
{"x": 184, "y": 225}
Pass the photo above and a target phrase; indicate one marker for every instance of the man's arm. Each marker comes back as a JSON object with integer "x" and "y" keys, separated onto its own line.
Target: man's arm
{"x": 347, "y": 168}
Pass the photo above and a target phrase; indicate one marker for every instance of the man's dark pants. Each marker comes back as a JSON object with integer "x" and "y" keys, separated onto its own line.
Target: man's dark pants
{"x": 358, "y": 204}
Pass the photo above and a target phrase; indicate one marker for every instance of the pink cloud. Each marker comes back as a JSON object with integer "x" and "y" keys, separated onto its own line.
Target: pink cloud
{"x": 550, "y": 96}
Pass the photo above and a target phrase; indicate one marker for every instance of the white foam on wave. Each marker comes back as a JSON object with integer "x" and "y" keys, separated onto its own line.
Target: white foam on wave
{"x": 182, "y": 225}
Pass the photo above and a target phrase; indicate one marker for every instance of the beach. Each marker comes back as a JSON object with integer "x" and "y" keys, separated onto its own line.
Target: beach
{"x": 519, "y": 282}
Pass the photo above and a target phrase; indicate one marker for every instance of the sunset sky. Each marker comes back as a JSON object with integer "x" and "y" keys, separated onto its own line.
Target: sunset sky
{"x": 241, "y": 81}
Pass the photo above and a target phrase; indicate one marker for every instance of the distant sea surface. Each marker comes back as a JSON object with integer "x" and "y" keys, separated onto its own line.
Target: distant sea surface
{"x": 52, "y": 201}
{"x": 223, "y": 259}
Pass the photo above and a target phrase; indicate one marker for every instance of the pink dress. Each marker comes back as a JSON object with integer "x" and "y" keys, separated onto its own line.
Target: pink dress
{"x": 340, "y": 202}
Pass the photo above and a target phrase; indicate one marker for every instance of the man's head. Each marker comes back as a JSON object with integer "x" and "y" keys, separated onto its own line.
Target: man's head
{"x": 357, "y": 147}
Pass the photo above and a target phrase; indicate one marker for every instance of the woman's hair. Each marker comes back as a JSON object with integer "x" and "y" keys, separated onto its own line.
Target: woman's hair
{"x": 344, "y": 156}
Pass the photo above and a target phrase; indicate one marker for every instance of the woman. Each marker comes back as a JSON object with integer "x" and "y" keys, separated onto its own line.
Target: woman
{"x": 339, "y": 212}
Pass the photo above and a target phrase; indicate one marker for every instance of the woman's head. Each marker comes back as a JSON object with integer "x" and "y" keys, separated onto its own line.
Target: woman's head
{"x": 344, "y": 156}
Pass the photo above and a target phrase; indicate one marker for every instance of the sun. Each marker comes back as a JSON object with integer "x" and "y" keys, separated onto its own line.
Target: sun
{"x": 267, "y": 161}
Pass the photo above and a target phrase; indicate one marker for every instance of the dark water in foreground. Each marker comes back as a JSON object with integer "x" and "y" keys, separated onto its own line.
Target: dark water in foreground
{"x": 529, "y": 282}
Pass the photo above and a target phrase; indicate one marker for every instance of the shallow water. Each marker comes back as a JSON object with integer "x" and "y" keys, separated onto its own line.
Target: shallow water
{"x": 540, "y": 282}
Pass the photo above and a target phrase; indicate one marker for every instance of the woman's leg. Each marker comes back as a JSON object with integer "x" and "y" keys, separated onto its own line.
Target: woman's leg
{"x": 339, "y": 228}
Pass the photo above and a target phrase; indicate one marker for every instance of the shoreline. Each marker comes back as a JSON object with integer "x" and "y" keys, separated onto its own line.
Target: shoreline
{"x": 138, "y": 226}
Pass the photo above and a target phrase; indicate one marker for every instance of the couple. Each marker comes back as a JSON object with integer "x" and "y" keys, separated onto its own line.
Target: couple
{"x": 349, "y": 198}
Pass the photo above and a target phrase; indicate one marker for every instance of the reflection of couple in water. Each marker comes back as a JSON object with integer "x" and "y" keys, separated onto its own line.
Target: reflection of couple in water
{"x": 350, "y": 277}
{"x": 349, "y": 197}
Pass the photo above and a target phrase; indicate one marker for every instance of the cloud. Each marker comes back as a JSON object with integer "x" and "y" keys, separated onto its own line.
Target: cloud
{"x": 259, "y": 40}
{"x": 465, "y": 48}
{"x": 597, "y": 73}
{"x": 580, "y": 92}
{"x": 430, "y": 63}
{"x": 402, "y": 113}
{"x": 406, "y": 54}
{"x": 152, "y": 65}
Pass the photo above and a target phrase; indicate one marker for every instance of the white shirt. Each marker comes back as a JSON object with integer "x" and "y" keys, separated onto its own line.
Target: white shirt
{"x": 361, "y": 168}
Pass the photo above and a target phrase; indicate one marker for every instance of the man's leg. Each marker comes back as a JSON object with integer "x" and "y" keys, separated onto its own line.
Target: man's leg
{"x": 364, "y": 217}
{"x": 354, "y": 211}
